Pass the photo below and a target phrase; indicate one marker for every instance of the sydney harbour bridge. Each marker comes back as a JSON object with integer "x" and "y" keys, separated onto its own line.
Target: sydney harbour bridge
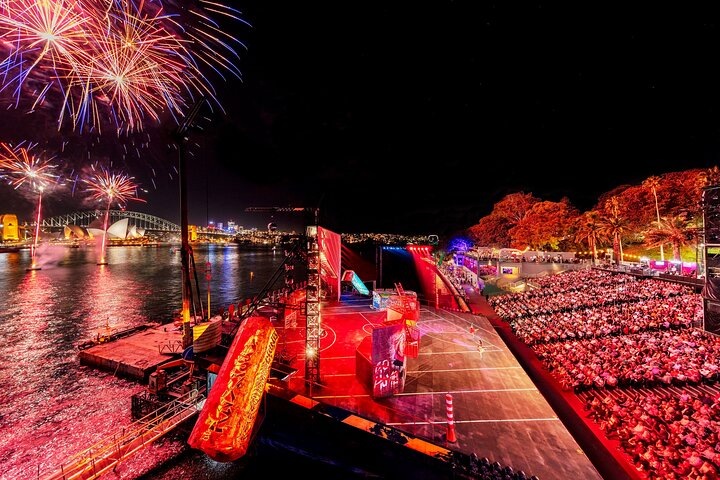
{"x": 150, "y": 223}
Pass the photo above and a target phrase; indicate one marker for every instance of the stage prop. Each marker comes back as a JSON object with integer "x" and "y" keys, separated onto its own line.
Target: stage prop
{"x": 351, "y": 278}
{"x": 224, "y": 428}
{"x": 329, "y": 244}
{"x": 381, "y": 357}
{"x": 388, "y": 360}
{"x": 380, "y": 298}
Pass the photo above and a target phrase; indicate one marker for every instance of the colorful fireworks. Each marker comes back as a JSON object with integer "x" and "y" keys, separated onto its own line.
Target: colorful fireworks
{"x": 22, "y": 167}
{"x": 121, "y": 62}
{"x": 113, "y": 187}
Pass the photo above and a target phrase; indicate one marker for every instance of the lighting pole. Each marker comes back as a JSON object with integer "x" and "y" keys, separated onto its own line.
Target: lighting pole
{"x": 33, "y": 249}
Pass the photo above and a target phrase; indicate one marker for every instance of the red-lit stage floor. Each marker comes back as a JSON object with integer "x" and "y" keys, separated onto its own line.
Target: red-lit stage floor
{"x": 498, "y": 412}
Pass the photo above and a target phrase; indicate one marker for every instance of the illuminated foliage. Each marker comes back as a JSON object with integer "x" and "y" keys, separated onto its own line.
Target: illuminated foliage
{"x": 490, "y": 231}
{"x": 544, "y": 225}
{"x": 674, "y": 230}
{"x": 513, "y": 207}
{"x": 589, "y": 229}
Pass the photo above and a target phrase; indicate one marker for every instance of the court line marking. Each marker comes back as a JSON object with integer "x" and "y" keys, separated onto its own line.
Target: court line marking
{"x": 464, "y": 369}
{"x": 488, "y": 420}
{"x": 443, "y": 392}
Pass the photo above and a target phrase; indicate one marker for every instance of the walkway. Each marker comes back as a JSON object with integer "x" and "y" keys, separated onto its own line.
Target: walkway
{"x": 95, "y": 461}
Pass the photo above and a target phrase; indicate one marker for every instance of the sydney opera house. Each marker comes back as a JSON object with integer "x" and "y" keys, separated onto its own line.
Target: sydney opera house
{"x": 120, "y": 230}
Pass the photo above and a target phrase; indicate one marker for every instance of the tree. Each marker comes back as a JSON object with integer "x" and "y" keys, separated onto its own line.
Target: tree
{"x": 651, "y": 183}
{"x": 589, "y": 229}
{"x": 673, "y": 230}
{"x": 490, "y": 231}
{"x": 544, "y": 225}
{"x": 614, "y": 225}
{"x": 710, "y": 177}
{"x": 514, "y": 206}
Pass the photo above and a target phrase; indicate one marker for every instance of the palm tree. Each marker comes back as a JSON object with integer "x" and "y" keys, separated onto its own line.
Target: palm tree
{"x": 590, "y": 230}
{"x": 709, "y": 177}
{"x": 674, "y": 230}
{"x": 614, "y": 226}
{"x": 651, "y": 184}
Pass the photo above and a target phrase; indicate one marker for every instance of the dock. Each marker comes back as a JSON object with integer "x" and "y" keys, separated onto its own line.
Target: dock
{"x": 135, "y": 356}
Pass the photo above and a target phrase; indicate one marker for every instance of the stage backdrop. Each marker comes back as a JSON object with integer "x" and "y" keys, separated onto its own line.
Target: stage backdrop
{"x": 330, "y": 243}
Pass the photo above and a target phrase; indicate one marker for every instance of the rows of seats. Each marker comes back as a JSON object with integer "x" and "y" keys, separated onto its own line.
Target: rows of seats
{"x": 630, "y": 350}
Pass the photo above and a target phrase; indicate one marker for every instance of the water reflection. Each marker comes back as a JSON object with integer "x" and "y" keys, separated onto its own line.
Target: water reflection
{"x": 52, "y": 405}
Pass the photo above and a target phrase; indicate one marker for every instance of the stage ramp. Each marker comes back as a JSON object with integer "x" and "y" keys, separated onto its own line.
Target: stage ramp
{"x": 351, "y": 277}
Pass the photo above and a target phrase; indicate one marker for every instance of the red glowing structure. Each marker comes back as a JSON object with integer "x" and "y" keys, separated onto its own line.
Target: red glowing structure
{"x": 23, "y": 168}
{"x": 113, "y": 187}
{"x": 433, "y": 282}
{"x": 225, "y": 427}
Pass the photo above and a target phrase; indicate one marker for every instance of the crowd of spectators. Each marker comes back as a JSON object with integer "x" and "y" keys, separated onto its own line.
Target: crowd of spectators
{"x": 590, "y": 294}
{"x": 574, "y": 280}
{"x": 640, "y": 360}
{"x": 665, "y": 437}
{"x": 681, "y": 311}
{"x": 603, "y": 332}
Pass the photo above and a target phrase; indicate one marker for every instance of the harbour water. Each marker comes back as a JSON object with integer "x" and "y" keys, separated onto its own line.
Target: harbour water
{"x": 50, "y": 406}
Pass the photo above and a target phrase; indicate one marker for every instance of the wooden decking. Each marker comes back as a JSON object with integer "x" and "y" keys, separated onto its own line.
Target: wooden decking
{"x": 135, "y": 356}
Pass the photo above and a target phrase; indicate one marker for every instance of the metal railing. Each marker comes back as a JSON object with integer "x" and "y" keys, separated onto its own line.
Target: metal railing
{"x": 108, "y": 452}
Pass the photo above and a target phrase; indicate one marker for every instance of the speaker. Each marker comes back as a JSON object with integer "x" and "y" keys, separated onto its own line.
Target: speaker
{"x": 712, "y": 316}
{"x": 711, "y": 215}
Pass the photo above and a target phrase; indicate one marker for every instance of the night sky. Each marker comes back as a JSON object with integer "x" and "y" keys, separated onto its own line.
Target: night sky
{"x": 416, "y": 117}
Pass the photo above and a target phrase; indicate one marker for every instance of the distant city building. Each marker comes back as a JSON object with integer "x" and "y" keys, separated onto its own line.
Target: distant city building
{"x": 9, "y": 230}
{"x": 220, "y": 225}
{"x": 231, "y": 226}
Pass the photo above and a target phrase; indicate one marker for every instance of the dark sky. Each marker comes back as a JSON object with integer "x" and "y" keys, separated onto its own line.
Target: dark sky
{"x": 418, "y": 116}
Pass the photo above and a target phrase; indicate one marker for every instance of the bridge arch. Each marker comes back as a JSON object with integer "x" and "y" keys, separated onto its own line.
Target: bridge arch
{"x": 84, "y": 219}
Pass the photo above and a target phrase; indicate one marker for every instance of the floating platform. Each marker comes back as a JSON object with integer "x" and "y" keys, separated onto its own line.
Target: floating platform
{"x": 135, "y": 356}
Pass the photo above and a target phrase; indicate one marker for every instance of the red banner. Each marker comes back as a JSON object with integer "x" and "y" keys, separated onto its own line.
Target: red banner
{"x": 388, "y": 360}
{"x": 225, "y": 425}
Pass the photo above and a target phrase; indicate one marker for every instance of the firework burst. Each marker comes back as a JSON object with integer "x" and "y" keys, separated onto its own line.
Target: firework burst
{"x": 112, "y": 187}
{"x": 21, "y": 167}
{"x": 121, "y": 62}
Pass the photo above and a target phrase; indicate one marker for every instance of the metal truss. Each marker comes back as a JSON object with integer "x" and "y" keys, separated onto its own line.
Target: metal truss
{"x": 312, "y": 308}
{"x": 83, "y": 219}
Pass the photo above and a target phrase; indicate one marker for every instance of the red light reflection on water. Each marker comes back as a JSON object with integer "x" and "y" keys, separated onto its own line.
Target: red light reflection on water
{"x": 112, "y": 302}
{"x": 51, "y": 407}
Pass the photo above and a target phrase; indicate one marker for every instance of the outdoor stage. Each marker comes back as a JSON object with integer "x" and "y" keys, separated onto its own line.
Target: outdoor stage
{"x": 498, "y": 412}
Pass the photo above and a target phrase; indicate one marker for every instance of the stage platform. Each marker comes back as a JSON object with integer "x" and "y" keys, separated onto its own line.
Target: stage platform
{"x": 135, "y": 356}
{"x": 498, "y": 412}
